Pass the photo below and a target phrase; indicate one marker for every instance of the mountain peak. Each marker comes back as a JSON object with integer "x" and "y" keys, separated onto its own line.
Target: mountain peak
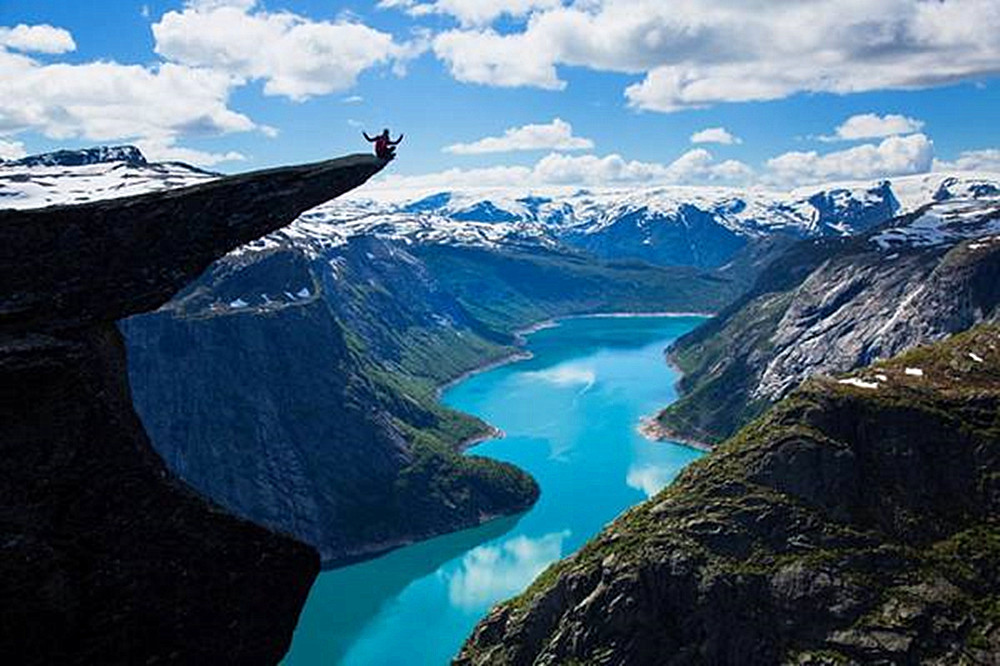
{"x": 84, "y": 156}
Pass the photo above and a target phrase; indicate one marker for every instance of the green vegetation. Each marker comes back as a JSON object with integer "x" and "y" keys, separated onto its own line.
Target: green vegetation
{"x": 846, "y": 524}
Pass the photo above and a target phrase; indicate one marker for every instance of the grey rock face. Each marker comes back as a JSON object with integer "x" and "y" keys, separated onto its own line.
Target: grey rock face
{"x": 851, "y": 302}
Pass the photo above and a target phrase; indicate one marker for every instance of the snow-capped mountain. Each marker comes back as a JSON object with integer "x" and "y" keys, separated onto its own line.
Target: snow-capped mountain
{"x": 697, "y": 226}
{"x": 82, "y": 157}
{"x": 945, "y": 223}
{"x": 77, "y": 176}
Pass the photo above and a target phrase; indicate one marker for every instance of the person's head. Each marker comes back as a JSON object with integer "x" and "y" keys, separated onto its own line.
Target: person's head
{"x": 385, "y": 132}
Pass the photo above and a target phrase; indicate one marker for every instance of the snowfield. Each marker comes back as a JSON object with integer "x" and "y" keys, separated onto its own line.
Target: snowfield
{"x": 612, "y": 222}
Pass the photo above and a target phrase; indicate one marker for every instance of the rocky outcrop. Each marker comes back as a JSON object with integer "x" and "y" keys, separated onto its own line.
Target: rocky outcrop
{"x": 106, "y": 557}
{"x": 833, "y": 305}
{"x": 855, "y": 523}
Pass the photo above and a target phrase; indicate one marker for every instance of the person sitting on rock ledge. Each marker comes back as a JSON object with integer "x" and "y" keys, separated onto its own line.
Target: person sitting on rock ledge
{"x": 384, "y": 147}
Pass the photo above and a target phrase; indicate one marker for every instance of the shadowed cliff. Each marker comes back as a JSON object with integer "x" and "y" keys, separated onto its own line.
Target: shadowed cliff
{"x": 104, "y": 556}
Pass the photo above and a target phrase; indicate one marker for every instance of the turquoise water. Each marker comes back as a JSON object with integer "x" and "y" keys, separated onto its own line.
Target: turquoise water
{"x": 570, "y": 415}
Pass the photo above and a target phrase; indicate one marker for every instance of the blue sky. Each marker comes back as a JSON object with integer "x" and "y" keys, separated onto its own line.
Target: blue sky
{"x": 609, "y": 90}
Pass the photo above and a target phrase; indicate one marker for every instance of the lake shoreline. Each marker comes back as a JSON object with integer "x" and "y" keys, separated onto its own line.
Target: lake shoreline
{"x": 650, "y": 429}
{"x": 575, "y": 434}
{"x": 519, "y": 354}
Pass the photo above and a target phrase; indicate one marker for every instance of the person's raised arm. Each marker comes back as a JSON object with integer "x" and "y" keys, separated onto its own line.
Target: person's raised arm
{"x": 396, "y": 142}
{"x": 365, "y": 134}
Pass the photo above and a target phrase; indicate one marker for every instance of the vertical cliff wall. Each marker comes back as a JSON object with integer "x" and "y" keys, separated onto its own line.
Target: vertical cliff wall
{"x": 105, "y": 558}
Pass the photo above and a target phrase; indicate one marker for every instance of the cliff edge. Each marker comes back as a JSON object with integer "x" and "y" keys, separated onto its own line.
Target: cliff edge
{"x": 105, "y": 557}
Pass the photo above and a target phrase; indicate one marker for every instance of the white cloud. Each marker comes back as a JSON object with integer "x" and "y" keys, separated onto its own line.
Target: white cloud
{"x": 108, "y": 101}
{"x": 164, "y": 150}
{"x": 566, "y": 376}
{"x": 490, "y": 573}
{"x": 489, "y": 58}
{"x": 353, "y": 99}
{"x": 470, "y": 12}
{"x": 715, "y": 135}
{"x": 557, "y": 135}
{"x": 211, "y": 47}
{"x": 295, "y": 57}
{"x": 874, "y": 126}
{"x": 695, "y": 53}
{"x": 972, "y": 160}
{"x": 11, "y": 150}
{"x": 496, "y": 176}
{"x": 894, "y": 156}
{"x": 37, "y": 39}
{"x": 694, "y": 167}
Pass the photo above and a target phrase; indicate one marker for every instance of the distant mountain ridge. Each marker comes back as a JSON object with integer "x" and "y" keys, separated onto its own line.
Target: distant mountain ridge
{"x": 704, "y": 227}
{"x": 82, "y": 157}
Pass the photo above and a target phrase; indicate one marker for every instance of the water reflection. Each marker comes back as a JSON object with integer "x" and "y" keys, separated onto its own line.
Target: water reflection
{"x": 343, "y": 601}
{"x": 492, "y": 572}
{"x": 566, "y": 375}
{"x": 650, "y": 479}
{"x": 570, "y": 416}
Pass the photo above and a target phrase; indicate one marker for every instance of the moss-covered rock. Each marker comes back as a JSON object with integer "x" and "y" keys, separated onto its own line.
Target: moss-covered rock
{"x": 857, "y": 521}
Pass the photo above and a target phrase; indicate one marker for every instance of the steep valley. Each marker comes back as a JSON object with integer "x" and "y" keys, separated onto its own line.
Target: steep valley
{"x": 311, "y": 405}
{"x": 293, "y": 379}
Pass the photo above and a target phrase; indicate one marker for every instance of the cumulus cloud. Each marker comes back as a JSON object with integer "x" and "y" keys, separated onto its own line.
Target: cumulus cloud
{"x": 470, "y": 12}
{"x": 874, "y": 126}
{"x": 11, "y": 150}
{"x": 302, "y": 58}
{"x": 695, "y": 53}
{"x": 715, "y": 135}
{"x": 210, "y": 47}
{"x": 164, "y": 149}
{"x": 972, "y": 160}
{"x": 490, "y": 58}
{"x": 37, "y": 39}
{"x": 557, "y": 135}
{"x": 894, "y": 156}
{"x": 694, "y": 167}
{"x": 106, "y": 100}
